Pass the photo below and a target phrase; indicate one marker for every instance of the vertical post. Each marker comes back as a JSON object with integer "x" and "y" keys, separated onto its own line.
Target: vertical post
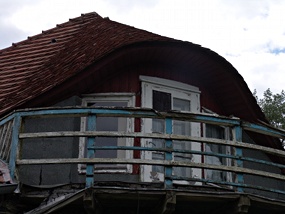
{"x": 14, "y": 145}
{"x": 168, "y": 155}
{"x": 238, "y": 138}
{"x": 91, "y": 126}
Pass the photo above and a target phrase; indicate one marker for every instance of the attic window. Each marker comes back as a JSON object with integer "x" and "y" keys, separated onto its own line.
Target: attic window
{"x": 53, "y": 41}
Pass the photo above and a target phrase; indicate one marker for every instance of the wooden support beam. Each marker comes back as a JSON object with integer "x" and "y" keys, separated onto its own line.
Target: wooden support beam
{"x": 242, "y": 206}
{"x": 167, "y": 205}
{"x": 91, "y": 205}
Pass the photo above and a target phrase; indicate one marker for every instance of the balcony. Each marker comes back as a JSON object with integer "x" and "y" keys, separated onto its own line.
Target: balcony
{"x": 41, "y": 146}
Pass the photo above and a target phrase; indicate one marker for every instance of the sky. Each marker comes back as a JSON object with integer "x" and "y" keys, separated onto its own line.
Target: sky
{"x": 250, "y": 34}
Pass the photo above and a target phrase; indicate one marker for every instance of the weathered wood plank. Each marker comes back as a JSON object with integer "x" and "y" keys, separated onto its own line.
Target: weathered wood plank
{"x": 148, "y": 113}
{"x": 90, "y": 152}
{"x": 85, "y": 111}
{"x": 149, "y": 162}
{"x": 262, "y": 129}
{"x": 14, "y": 145}
{"x": 238, "y": 152}
{"x": 154, "y": 136}
{"x": 8, "y": 141}
{"x": 1, "y": 140}
{"x": 5, "y": 140}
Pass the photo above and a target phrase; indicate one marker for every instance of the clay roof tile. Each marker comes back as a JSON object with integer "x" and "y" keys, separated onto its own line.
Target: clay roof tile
{"x": 49, "y": 58}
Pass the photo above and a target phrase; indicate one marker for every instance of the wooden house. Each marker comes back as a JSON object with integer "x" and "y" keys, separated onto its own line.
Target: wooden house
{"x": 101, "y": 117}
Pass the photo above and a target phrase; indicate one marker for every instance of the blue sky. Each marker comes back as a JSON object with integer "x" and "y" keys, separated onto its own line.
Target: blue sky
{"x": 250, "y": 34}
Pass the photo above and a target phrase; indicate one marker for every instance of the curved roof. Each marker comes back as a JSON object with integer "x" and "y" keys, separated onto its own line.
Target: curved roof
{"x": 43, "y": 62}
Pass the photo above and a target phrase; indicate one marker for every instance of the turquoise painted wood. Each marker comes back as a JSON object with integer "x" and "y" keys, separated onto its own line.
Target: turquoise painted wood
{"x": 168, "y": 155}
{"x": 264, "y": 129}
{"x": 87, "y": 111}
{"x": 91, "y": 126}
{"x": 238, "y": 138}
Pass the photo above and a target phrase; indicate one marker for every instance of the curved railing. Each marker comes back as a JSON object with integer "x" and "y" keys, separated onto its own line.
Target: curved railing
{"x": 12, "y": 137}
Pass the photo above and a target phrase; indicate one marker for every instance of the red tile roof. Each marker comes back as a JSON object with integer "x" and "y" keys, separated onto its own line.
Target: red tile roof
{"x": 34, "y": 66}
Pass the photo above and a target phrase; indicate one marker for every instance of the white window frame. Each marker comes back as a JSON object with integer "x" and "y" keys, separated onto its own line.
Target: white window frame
{"x": 179, "y": 90}
{"x": 109, "y": 97}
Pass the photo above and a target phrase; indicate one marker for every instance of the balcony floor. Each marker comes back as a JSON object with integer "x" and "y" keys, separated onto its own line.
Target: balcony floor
{"x": 140, "y": 198}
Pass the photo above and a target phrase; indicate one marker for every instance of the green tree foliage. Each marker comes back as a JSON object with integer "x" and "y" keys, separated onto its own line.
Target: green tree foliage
{"x": 273, "y": 106}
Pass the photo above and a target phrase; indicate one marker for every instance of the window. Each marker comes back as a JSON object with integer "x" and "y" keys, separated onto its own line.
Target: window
{"x": 164, "y": 95}
{"x": 109, "y": 124}
{"x": 218, "y": 132}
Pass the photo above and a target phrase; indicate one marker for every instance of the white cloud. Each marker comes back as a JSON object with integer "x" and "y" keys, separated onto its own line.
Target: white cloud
{"x": 261, "y": 70}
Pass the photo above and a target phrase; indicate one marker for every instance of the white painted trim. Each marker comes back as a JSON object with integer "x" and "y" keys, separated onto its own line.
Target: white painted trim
{"x": 178, "y": 90}
{"x": 170, "y": 83}
{"x": 111, "y": 97}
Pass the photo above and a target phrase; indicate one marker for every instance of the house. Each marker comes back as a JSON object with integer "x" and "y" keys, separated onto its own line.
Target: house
{"x": 101, "y": 117}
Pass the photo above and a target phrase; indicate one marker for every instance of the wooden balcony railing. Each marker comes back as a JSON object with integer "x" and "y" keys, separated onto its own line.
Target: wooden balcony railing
{"x": 12, "y": 135}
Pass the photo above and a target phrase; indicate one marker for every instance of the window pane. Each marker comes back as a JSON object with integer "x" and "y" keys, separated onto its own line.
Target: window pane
{"x": 108, "y": 124}
{"x": 182, "y": 128}
{"x": 181, "y": 105}
{"x": 218, "y": 132}
{"x": 161, "y": 101}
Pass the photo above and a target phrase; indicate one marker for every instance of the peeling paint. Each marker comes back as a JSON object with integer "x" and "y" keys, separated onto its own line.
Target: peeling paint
{"x": 154, "y": 176}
